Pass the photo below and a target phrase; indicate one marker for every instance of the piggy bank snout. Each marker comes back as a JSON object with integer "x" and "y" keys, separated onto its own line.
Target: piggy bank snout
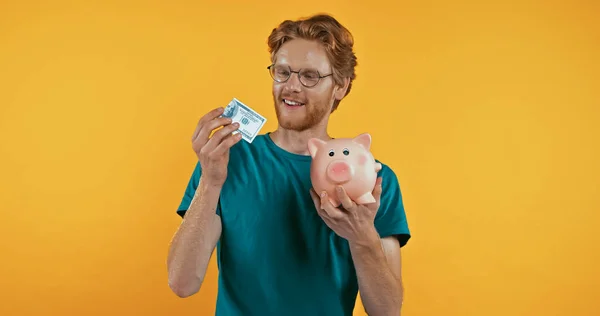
{"x": 339, "y": 171}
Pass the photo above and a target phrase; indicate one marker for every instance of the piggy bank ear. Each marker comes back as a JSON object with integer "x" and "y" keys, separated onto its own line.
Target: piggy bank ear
{"x": 364, "y": 140}
{"x": 314, "y": 144}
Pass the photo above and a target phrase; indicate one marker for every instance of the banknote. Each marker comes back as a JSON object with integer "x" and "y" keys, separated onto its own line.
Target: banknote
{"x": 250, "y": 121}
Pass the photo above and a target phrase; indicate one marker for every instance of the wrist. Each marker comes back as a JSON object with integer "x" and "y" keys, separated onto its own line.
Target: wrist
{"x": 208, "y": 189}
{"x": 369, "y": 240}
{"x": 208, "y": 186}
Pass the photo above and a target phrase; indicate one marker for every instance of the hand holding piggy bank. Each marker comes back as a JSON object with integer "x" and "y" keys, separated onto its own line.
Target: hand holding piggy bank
{"x": 347, "y": 162}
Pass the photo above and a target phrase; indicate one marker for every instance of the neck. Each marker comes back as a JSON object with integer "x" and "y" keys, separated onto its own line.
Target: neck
{"x": 297, "y": 141}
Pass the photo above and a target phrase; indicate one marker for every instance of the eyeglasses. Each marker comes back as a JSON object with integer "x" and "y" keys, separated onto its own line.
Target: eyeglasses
{"x": 308, "y": 77}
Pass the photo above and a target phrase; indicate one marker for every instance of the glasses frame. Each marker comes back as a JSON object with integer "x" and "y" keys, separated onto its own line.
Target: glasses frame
{"x": 297, "y": 73}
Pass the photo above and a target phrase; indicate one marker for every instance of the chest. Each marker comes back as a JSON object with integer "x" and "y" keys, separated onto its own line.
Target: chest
{"x": 268, "y": 215}
{"x": 267, "y": 194}
{"x": 268, "y": 204}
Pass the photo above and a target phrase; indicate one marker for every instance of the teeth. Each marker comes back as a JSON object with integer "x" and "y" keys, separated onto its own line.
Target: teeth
{"x": 291, "y": 102}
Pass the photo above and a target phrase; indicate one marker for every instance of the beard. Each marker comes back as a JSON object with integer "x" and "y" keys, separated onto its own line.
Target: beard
{"x": 301, "y": 119}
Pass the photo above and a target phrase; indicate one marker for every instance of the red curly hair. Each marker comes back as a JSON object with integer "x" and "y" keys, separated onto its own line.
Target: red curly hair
{"x": 336, "y": 39}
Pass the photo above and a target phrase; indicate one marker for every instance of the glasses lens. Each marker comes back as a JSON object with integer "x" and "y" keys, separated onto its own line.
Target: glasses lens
{"x": 309, "y": 77}
{"x": 280, "y": 73}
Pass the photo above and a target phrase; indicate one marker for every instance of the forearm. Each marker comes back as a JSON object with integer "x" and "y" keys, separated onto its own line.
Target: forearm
{"x": 194, "y": 241}
{"x": 381, "y": 292}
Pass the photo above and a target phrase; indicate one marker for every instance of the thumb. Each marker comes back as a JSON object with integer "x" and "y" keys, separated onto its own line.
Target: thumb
{"x": 378, "y": 189}
{"x": 315, "y": 198}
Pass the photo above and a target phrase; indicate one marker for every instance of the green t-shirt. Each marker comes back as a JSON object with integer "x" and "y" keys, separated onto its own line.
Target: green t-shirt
{"x": 276, "y": 256}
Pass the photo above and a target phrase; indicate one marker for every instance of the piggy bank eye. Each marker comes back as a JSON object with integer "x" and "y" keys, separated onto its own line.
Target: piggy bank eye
{"x": 346, "y": 152}
{"x": 331, "y": 153}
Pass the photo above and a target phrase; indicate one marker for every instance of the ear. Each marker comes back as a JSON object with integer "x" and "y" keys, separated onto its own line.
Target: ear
{"x": 314, "y": 144}
{"x": 340, "y": 92}
{"x": 364, "y": 140}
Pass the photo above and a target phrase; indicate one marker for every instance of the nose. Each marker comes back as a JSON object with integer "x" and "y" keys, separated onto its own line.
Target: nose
{"x": 293, "y": 83}
{"x": 340, "y": 172}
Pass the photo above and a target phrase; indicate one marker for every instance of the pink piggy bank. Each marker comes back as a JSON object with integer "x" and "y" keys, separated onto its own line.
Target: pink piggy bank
{"x": 347, "y": 162}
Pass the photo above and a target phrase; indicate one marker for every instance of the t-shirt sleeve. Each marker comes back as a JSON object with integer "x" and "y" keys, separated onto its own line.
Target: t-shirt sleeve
{"x": 190, "y": 191}
{"x": 391, "y": 217}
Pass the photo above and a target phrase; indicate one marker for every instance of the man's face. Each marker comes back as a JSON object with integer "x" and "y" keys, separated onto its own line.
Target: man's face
{"x": 299, "y": 107}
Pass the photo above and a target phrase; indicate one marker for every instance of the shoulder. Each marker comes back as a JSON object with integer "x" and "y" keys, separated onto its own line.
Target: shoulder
{"x": 391, "y": 217}
{"x": 387, "y": 173}
{"x": 391, "y": 195}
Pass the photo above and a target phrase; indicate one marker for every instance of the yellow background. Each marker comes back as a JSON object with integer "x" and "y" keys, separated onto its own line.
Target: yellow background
{"x": 492, "y": 106}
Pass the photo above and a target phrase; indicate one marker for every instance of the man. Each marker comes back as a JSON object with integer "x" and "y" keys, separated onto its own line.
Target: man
{"x": 281, "y": 248}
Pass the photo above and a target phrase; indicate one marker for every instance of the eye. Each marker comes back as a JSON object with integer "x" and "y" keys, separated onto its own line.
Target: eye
{"x": 346, "y": 152}
{"x": 331, "y": 153}
{"x": 310, "y": 75}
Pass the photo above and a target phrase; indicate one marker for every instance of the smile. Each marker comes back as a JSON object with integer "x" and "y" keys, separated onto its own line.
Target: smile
{"x": 292, "y": 103}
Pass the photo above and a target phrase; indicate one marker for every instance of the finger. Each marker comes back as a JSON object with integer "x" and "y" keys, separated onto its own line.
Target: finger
{"x": 205, "y": 118}
{"x": 323, "y": 214}
{"x": 315, "y": 199}
{"x": 207, "y": 129}
{"x": 226, "y": 144}
{"x": 210, "y": 126}
{"x": 378, "y": 189}
{"x": 347, "y": 203}
{"x": 328, "y": 220}
{"x": 332, "y": 211}
{"x": 218, "y": 136}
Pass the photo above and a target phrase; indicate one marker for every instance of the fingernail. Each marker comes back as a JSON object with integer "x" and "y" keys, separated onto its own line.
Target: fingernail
{"x": 323, "y": 194}
{"x": 236, "y": 124}
{"x": 339, "y": 189}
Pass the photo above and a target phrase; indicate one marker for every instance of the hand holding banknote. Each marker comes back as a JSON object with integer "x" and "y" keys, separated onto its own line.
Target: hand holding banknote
{"x": 213, "y": 151}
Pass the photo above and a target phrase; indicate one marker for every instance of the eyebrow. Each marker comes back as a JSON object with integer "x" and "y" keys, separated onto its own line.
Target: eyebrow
{"x": 297, "y": 69}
